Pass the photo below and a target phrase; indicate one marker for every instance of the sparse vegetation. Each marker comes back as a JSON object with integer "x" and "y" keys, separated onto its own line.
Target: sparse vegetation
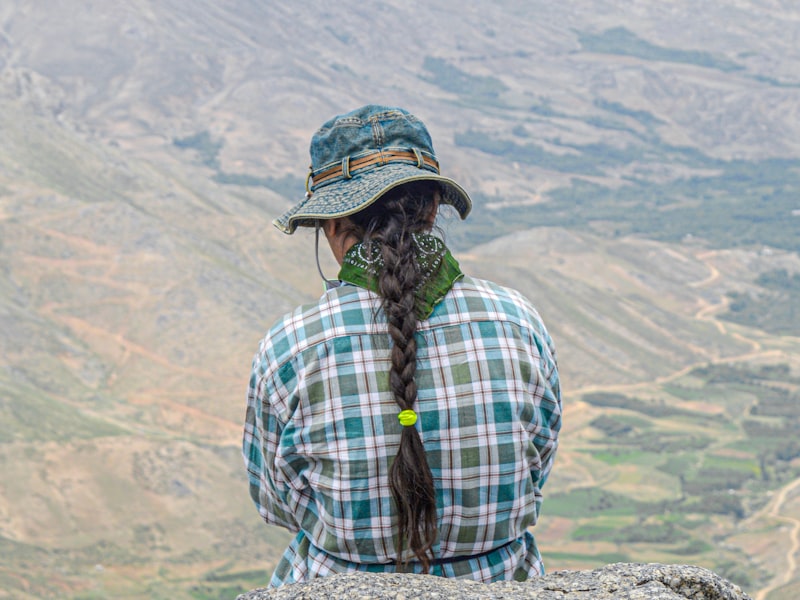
{"x": 776, "y": 309}
{"x": 586, "y": 502}
{"x": 289, "y": 186}
{"x": 693, "y": 547}
{"x": 450, "y": 78}
{"x": 638, "y": 533}
{"x": 651, "y": 409}
{"x": 227, "y": 585}
{"x": 622, "y": 41}
{"x": 748, "y": 204}
{"x": 28, "y": 414}
{"x": 708, "y": 480}
{"x": 207, "y": 148}
{"x": 644, "y": 117}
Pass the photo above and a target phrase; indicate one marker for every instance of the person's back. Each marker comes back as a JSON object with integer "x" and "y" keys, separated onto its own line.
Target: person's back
{"x": 411, "y": 408}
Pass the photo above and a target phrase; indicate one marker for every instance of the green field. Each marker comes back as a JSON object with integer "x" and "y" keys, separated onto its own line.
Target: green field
{"x": 718, "y": 467}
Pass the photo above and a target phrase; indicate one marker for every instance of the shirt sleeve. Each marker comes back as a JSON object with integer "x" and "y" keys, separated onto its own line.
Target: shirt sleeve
{"x": 262, "y": 434}
{"x": 546, "y": 438}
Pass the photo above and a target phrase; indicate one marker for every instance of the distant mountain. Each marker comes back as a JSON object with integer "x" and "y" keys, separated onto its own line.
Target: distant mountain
{"x": 635, "y": 171}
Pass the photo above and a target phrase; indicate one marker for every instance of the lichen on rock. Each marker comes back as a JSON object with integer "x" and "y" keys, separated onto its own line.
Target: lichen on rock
{"x": 631, "y": 581}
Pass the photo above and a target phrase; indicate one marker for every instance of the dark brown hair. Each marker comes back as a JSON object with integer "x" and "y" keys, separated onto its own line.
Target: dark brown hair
{"x": 390, "y": 222}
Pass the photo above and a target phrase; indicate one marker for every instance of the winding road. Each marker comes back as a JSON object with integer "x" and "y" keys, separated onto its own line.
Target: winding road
{"x": 773, "y": 510}
{"x": 784, "y": 574}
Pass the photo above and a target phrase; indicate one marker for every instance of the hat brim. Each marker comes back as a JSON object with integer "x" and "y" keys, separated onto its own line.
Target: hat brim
{"x": 349, "y": 196}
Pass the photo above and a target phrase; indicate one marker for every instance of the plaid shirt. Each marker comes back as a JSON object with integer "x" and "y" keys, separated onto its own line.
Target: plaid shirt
{"x": 322, "y": 430}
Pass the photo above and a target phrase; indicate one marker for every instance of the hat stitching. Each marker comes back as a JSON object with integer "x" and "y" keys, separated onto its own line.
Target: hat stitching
{"x": 345, "y": 121}
{"x": 377, "y": 132}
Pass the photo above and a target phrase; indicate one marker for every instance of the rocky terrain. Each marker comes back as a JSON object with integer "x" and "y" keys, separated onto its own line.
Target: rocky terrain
{"x": 630, "y": 581}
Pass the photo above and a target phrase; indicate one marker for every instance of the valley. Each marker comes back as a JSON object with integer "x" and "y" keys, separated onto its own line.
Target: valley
{"x": 635, "y": 173}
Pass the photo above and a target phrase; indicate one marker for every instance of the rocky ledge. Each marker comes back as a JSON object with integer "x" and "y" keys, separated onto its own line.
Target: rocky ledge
{"x": 629, "y": 581}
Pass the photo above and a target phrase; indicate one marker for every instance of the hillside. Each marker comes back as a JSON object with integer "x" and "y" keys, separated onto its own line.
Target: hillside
{"x": 635, "y": 173}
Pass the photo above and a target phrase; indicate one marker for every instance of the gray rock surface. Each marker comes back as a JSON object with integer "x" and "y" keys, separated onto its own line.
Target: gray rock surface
{"x": 628, "y": 581}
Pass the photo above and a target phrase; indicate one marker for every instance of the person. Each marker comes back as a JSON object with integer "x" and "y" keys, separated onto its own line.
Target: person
{"x": 408, "y": 420}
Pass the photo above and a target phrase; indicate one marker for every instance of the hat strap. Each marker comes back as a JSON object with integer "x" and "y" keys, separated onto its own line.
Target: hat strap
{"x": 329, "y": 283}
{"x": 376, "y": 158}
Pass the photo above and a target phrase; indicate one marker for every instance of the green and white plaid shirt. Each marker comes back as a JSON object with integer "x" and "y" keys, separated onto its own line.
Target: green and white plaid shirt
{"x": 322, "y": 430}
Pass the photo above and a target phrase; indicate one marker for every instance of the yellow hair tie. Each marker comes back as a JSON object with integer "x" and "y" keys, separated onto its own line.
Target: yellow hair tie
{"x": 407, "y": 418}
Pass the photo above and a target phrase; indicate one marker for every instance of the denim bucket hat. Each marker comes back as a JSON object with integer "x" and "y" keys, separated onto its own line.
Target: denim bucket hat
{"x": 358, "y": 156}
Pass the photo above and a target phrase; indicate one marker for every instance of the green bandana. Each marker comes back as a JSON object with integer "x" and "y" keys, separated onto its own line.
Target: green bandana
{"x": 362, "y": 263}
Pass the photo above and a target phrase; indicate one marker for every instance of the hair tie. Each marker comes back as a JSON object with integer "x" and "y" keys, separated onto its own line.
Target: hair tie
{"x": 407, "y": 417}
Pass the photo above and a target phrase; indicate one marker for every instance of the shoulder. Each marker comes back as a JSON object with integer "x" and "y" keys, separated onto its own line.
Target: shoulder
{"x": 346, "y": 310}
{"x": 492, "y": 290}
{"x": 479, "y": 299}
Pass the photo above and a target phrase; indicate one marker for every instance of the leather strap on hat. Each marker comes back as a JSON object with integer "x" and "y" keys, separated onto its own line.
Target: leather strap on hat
{"x": 379, "y": 158}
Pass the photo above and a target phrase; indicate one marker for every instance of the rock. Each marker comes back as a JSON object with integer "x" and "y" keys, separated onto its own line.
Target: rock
{"x": 629, "y": 581}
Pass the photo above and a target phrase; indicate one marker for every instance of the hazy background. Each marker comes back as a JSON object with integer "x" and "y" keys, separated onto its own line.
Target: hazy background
{"x": 635, "y": 168}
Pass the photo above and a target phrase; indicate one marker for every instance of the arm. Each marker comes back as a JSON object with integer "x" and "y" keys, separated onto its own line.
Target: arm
{"x": 546, "y": 439}
{"x": 548, "y": 407}
{"x": 262, "y": 434}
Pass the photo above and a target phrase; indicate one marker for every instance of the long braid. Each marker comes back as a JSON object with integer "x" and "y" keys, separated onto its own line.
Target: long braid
{"x": 399, "y": 214}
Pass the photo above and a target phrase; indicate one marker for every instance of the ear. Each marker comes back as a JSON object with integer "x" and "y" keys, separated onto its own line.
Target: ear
{"x": 331, "y": 227}
{"x": 339, "y": 236}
